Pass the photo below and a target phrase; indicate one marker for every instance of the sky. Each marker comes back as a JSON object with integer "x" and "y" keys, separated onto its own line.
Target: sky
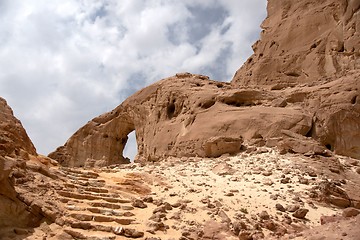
{"x": 63, "y": 63}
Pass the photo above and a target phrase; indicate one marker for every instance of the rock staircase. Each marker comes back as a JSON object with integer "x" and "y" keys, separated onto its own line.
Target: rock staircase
{"x": 91, "y": 211}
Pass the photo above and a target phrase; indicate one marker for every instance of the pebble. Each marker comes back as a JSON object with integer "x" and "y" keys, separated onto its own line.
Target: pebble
{"x": 301, "y": 213}
{"x": 264, "y": 215}
{"x": 280, "y": 207}
{"x": 267, "y": 173}
{"x": 350, "y": 212}
{"x": 138, "y": 203}
{"x": 285, "y": 180}
{"x": 292, "y": 208}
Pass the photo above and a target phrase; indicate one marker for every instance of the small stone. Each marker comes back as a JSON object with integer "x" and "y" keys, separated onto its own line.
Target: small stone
{"x": 303, "y": 180}
{"x": 138, "y": 203}
{"x": 274, "y": 197}
{"x": 285, "y": 180}
{"x": 267, "y": 173}
{"x": 230, "y": 194}
{"x": 148, "y": 199}
{"x": 350, "y": 212}
{"x": 21, "y": 231}
{"x": 268, "y": 182}
{"x": 358, "y": 170}
{"x": 329, "y": 219}
{"x": 176, "y": 205}
{"x": 167, "y": 206}
{"x": 245, "y": 235}
{"x": 280, "y": 207}
{"x": 301, "y": 213}
{"x": 264, "y": 215}
{"x": 334, "y": 170}
{"x": 238, "y": 226}
{"x": 269, "y": 224}
{"x": 224, "y": 217}
{"x": 292, "y": 208}
{"x": 160, "y": 209}
{"x": 118, "y": 230}
{"x": 132, "y": 233}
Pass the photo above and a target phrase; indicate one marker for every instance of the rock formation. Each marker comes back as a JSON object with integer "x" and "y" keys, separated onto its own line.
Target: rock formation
{"x": 15, "y": 148}
{"x": 304, "y": 42}
{"x": 301, "y": 82}
{"x": 184, "y": 115}
{"x": 14, "y": 140}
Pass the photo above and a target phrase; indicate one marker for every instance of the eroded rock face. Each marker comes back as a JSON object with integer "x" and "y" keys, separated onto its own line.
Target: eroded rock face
{"x": 14, "y": 140}
{"x": 304, "y": 41}
{"x": 180, "y": 116}
{"x": 15, "y": 149}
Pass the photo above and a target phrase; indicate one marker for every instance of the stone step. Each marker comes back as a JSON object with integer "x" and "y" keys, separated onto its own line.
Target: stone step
{"x": 82, "y": 234}
{"x": 101, "y": 232}
{"x": 66, "y": 200}
{"x": 107, "y": 205}
{"x": 106, "y": 195}
{"x": 87, "y": 189}
{"x": 100, "y": 218}
{"x": 83, "y": 178}
{"x": 88, "y": 183}
{"x": 91, "y": 197}
{"x": 79, "y": 172}
{"x": 109, "y": 212}
{"x": 102, "y": 211}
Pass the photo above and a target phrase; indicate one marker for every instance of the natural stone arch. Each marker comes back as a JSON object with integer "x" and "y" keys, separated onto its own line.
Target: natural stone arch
{"x": 100, "y": 142}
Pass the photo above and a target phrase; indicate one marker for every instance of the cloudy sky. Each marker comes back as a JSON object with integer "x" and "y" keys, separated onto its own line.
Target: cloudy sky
{"x": 63, "y": 62}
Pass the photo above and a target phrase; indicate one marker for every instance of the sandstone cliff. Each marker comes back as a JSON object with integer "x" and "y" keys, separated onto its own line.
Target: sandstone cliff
{"x": 304, "y": 42}
{"x": 299, "y": 92}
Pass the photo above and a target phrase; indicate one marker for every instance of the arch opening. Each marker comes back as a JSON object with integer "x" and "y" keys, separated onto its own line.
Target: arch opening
{"x": 130, "y": 149}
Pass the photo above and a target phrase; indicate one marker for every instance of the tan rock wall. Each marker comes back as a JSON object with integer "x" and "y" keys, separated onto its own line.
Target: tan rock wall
{"x": 304, "y": 41}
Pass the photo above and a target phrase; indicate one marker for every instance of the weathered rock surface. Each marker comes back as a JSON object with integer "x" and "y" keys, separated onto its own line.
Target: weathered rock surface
{"x": 304, "y": 42}
{"x": 184, "y": 115}
{"x": 303, "y": 78}
{"x": 15, "y": 149}
{"x": 14, "y": 140}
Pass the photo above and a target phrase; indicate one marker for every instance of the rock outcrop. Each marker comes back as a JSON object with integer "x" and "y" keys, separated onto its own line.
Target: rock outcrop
{"x": 14, "y": 141}
{"x": 304, "y": 42}
{"x": 15, "y": 148}
{"x": 184, "y": 115}
{"x": 299, "y": 91}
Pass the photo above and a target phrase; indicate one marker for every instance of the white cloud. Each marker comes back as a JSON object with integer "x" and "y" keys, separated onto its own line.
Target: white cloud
{"x": 64, "y": 62}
